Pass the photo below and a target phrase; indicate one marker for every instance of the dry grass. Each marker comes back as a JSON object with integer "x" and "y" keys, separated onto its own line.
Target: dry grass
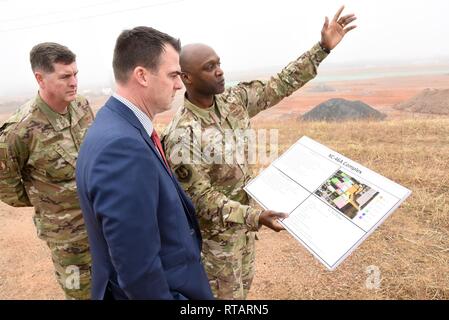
{"x": 411, "y": 248}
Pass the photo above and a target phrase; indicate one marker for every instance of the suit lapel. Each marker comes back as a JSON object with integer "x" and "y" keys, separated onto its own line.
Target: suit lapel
{"x": 191, "y": 218}
{"x": 150, "y": 143}
{"x": 126, "y": 113}
{"x": 183, "y": 196}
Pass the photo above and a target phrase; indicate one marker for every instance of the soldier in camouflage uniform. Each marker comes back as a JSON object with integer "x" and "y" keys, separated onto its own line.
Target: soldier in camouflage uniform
{"x": 38, "y": 149}
{"x": 228, "y": 220}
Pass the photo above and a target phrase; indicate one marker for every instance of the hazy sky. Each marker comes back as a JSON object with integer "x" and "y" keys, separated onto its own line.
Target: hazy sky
{"x": 247, "y": 34}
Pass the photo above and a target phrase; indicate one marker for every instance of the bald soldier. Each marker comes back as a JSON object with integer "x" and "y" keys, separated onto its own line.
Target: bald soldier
{"x": 197, "y": 145}
{"x": 38, "y": 150}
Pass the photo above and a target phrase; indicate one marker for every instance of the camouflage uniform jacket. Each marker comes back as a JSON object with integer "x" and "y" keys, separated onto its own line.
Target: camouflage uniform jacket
{"x": 38, "y": 151}
{"x": 216, "y": 187}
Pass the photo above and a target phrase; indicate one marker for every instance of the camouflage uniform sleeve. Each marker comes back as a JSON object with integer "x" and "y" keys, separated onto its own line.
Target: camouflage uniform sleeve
{"x": 13, "y": 153}
{"x": 89, "y": 108}
{"x": 210, "y": 203}
{"x": 258, "y": 95}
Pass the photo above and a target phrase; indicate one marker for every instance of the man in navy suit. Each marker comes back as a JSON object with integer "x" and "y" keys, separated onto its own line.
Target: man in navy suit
{"x": 144, "y": 237}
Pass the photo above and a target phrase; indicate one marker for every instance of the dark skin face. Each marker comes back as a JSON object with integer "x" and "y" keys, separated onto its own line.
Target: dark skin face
{"x": 201, "y": 74}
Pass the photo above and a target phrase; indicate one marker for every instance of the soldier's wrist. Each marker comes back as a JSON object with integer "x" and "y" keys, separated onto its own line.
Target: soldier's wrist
{"x": 252, "y": 219}
{"x": 324, "y": 48}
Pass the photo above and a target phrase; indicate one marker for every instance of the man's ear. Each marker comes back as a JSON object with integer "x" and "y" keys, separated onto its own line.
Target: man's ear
{"x": 40, "y": 79}
{"x": 141, "y": 76}
{"x": 185, "y": 77}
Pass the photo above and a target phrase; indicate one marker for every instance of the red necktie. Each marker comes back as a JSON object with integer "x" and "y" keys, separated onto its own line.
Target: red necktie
{"x": 157, "y": 143}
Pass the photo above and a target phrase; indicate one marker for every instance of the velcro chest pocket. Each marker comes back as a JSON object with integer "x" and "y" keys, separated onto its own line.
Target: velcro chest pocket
{"x": 55, "y": 163}
{"x": 63, "y": 166}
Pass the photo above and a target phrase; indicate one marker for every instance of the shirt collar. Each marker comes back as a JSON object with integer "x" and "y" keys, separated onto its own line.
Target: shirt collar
{"x": 207, "y": 114}
{"x": 57, "y": 120}
{"x": 203, "y": 113}
{"x": 143, "y": 118}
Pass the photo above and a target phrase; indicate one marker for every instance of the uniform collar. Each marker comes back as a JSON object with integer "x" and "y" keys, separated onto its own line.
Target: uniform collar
{"x": 57, "y": 120}
{"x": 207, "y": 115}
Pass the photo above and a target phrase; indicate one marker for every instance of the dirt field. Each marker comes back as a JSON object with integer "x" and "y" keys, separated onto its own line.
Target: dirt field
{"x": 411, "y": 249}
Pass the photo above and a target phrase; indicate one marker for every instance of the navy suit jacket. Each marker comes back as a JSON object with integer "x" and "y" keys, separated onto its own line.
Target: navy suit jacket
{"x": 144, "y": 237}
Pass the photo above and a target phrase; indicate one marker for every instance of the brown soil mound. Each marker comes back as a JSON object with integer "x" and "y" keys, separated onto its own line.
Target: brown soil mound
{"x": 432, "y": 101}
